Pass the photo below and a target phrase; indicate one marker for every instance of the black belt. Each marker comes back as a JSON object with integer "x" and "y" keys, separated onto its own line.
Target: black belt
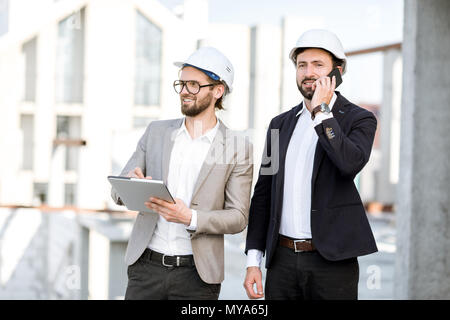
{"x": 168, "y": 261}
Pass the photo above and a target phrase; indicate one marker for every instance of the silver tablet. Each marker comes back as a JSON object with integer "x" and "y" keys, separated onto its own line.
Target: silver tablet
{"x": 134, "y": 192}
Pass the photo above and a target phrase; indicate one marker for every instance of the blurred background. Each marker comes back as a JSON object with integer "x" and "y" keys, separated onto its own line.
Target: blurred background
{"x": 81, "y": 79}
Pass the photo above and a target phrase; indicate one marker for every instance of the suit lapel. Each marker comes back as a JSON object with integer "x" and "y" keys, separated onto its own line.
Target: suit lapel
{"x": 215, "y": 153}
{"x": 169, "y": 139}
{"x": 339, "y": 111}
{"x": 286, "y": 134}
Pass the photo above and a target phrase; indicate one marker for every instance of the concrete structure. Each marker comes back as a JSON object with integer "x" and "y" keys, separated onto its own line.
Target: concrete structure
{"x": 37, "y": 254}
{"x": 62, "y": 254}
{"x": 423, "y": 237}
{"x": 103, "y": 272}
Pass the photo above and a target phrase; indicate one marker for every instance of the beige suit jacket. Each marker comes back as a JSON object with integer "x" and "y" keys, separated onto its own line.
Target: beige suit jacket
{"x": 221, "y": 194}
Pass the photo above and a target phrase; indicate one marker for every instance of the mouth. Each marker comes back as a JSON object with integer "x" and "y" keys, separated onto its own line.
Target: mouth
{"x": 308, "y": 83}
{"x": 186, "y": 100}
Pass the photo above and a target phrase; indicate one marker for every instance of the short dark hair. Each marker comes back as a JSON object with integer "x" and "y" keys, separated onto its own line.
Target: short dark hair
{"x": 336, "y": 61}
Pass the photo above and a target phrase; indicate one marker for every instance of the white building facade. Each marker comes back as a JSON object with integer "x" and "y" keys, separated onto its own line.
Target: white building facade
{"x": 81, "y": 79}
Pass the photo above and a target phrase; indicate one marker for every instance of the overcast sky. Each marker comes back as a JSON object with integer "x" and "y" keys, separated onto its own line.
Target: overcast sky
{"x": 358, "y": 23}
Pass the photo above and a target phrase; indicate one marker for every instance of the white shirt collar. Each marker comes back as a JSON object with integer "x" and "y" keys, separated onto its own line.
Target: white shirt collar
{"x": 333, "y": 100}
{"x": 210, "y": 134}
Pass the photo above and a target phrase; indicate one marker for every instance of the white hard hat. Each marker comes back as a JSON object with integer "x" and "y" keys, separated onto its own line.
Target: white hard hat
{"x": 213, "y": 63}
{"x": 323, "y": 39}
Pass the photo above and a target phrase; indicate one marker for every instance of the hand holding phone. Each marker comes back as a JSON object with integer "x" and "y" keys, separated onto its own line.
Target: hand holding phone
{"x": 335, "y": 72}
{"x": 322, "y": 90}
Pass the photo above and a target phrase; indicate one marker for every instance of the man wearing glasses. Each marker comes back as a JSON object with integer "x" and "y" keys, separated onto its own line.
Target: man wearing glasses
{"x": 177, "y": 252}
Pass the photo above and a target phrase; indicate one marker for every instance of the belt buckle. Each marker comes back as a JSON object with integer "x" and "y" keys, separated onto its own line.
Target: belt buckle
{"x": 295, "y": 245}
{"x": 170, "y": 265}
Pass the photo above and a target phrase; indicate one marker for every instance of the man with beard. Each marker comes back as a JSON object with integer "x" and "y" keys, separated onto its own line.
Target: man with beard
{"x": 177, "y": 251}
{"x": 306, "y": 213}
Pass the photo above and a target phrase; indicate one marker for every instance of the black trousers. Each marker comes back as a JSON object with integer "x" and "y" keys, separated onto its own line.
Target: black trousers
{"x": 150, "y": 280}
{"x": 308, "y": 276}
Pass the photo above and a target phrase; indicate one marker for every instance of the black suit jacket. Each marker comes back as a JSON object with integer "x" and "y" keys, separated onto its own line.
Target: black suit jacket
{"x": 339, "y": 224}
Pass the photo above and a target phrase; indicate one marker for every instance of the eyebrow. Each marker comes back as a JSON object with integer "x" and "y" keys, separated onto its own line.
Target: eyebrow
{"x": 314, "y": 61}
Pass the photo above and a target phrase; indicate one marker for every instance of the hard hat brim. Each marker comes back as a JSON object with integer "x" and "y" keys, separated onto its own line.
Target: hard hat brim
{"x": 344, "y": 58}
{"x": 180, "y": 64}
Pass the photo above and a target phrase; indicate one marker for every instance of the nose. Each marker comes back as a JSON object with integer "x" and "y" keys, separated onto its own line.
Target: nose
{"x": 184, "y": 88}
{"x": 309, "y": 71}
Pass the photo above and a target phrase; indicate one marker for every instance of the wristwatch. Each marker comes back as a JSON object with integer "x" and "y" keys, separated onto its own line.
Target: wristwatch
{"x": 323, "y": 107}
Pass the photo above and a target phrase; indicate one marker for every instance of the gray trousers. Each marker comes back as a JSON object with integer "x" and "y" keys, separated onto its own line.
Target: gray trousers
{"x": 150, "y": 280}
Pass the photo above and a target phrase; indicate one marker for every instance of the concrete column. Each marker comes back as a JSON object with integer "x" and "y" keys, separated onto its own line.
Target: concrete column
{"x": 82, "y": 259}
{"x": 103, "y": 244}
{"x": 423, "y": 231}
{"x": 390, "y": 126}
{"x": 265, "y": 85}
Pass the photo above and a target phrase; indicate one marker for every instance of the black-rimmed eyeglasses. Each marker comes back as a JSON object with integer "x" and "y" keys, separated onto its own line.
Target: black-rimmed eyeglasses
{"x": 192, "y": 86}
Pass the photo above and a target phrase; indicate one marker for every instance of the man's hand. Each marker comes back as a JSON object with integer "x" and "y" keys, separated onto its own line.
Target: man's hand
{"x": 323, "y": 91}
{"x": 137, "y": 173}
{"x": 253, "y": 276}
{"x": 173, "y": 212}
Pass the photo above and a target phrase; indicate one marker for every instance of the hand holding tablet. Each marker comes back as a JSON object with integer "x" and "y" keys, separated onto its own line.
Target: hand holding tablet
{"x": 144, "y": 194}
{"x": 134, "y": 192}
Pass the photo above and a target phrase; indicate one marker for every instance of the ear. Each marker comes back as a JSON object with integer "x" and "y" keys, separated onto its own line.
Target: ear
{"x": 340, "y": 69}
{"x": 219, "y": 90}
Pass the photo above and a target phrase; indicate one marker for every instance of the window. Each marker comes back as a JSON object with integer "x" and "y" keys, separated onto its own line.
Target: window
{"x": 4, "y": 20}
{"x": 29, "y": 52}
{"x": 69, "y": 128}
{"x": 40, "y": 192}
{"x": 148, "y": 62}
{"x": 69, "y": 194}
{"x": 27, "y": 127}
{"x": 70, "y": 59}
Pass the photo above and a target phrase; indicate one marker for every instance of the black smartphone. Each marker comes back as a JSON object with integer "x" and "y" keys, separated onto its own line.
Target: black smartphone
{"x": 335, "y": 72}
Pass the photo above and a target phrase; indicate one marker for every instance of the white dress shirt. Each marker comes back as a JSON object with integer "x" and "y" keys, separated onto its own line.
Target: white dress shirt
{"x": 186, "y": 160}
{"x": 296, "y": 209}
